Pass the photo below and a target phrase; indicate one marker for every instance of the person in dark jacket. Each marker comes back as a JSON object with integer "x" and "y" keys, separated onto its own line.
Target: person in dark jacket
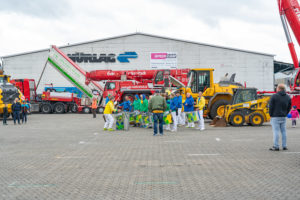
{"x": 5, "y": 113}
{"x": 280, "y": 106}
{"x": 157, "y": 105}
{"x": 16, "y": 109}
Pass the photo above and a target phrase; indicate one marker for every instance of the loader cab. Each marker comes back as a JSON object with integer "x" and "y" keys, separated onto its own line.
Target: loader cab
{"x": 242, "y": 95}
{"x": 295, "y": 81}
{"x": 200, "y": 79}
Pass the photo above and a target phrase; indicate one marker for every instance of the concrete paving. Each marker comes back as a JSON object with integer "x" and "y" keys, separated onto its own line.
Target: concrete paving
{"x": 68, "y": 156}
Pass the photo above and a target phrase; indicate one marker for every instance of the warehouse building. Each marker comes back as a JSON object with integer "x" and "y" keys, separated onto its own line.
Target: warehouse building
{"x": 146, "y": 51}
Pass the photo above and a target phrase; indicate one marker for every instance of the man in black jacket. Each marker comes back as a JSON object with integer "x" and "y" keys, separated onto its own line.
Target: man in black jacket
{"x": 16, "y": 109}
{"x": 280, "y": 106}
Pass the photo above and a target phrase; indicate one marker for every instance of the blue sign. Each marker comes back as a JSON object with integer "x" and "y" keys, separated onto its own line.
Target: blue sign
{"x": 123, "y": 58}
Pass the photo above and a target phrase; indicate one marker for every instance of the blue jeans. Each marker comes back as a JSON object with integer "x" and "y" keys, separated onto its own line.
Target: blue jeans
{"x": 279, "y": 125}
{"x": 24, "y": 117}
{"x": 16, "y": 116}
{"x": 158, "y": 117}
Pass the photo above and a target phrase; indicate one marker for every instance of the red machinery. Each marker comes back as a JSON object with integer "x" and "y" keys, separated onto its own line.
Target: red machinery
{"x": 157, "y": 77}
{"x": 58, "y": 102}
{"x": 128, "y": 83}
{"x": 290, "y": 11}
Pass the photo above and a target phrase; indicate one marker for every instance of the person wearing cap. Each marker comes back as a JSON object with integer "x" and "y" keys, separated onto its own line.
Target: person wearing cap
{"x": 174, "y": 111}
{"x": 200, "y": 105}
{"x": 294, "y": 116}
{"x": 189, "y": 108}
{"x": 109, "y": 109}
{"x": 167, "y": 114}
{"x": 181, "y": 114}
{"x": 94, "y": 107}
{"x": 144, "y": 110}
{"x": 136, "y": 108}
{"x": 107, "y": 98}
{"x": 25, "y": 110}
{"x": 157, "y": 105}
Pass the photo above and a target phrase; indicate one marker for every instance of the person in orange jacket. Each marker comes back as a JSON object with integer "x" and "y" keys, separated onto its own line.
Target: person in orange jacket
{"x": 94, "y": 107}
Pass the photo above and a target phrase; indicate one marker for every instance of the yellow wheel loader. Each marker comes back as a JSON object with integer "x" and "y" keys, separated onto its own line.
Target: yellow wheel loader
{"x": 247, "y": 108}
{"x": 8, "y": 93}
{"x": 216, "y": 95}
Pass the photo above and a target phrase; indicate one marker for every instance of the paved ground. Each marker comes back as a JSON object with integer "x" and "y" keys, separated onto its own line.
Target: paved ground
{"x": 64, "y": 157}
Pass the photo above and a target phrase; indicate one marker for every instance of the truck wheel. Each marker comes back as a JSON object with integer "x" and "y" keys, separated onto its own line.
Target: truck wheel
{"x": 218, "y": 108}
{"x": 46, "y": 108}
{"x": 74, "y": 108}
{"x": 59, "y": 108}
{"x": 237, "y": 118}
{"x": 86, "y": 110}
{"x": 256, "y": 119}
{"x": 100, "y": 110}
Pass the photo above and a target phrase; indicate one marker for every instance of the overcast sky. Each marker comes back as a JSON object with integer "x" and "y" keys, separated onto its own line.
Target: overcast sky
{"x": 246, "y": 24}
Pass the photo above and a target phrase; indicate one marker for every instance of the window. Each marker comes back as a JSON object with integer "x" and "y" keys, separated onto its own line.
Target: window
{"x": 204, "y": 81}
{"x": 199, "y": 81}
{"x": 245, "y": 96}
{"x": 159, "y": 76}
{"x": 110, "y": 86}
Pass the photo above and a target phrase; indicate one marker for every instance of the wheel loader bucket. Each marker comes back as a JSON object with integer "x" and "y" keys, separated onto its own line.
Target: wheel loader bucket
{"x": 218, "y": 122}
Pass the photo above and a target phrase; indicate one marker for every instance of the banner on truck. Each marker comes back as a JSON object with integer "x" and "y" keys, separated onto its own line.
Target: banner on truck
{"x": 163, "y": 60}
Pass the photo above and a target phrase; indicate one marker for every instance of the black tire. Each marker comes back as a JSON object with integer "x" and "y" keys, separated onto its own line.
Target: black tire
{"x": 100, "y": 110}
{"x": 59, "y": 108}
{"x": 46, "y": 108}
{"x": 73, "y": 108}
{"x": 214, "y": 108}
{"x": 256, "y": 119}
{"x": 237, "y": 118}
{"x": 86, "y": 110}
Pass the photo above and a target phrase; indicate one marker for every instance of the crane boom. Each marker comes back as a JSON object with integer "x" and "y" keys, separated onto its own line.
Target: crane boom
{"x": 73, "y": 73}
{"x": 290, "y": 11}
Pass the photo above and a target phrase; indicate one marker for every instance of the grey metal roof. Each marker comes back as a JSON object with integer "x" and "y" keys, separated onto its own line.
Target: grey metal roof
{"x": 144, "y": 34}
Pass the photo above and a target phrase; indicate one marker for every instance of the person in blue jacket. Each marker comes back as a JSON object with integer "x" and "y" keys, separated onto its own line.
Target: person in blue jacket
{"x": 174, "y": 111}
{"x": 181, "y": 114}
{"x": 189, "y": 108}
{"x": 25, "y": 110}
{"x": 126, "y": 105}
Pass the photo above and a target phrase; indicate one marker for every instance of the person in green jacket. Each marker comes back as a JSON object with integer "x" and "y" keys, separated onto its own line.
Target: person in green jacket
{"x": 144, "y": 110}
{"x": 137, "y": 108}
{"x": 136, "y": 103}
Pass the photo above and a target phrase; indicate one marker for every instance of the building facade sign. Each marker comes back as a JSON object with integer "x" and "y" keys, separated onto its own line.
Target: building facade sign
{"x": 80, "y": 57}
{"x": 163, "y": 60}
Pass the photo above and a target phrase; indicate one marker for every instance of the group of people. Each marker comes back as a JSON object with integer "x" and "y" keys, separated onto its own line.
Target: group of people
{"x": 19, "y": 111}
{"x": 158, "y": 108}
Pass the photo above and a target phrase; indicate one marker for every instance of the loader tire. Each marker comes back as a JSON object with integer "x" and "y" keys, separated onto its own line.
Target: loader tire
{"x": 256, "y": 119}
{"x": 59, "y": 108}
{"x": 46, "y": 108}
{"x": 218, "y": 108}
{"x": 237, "y": 119}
